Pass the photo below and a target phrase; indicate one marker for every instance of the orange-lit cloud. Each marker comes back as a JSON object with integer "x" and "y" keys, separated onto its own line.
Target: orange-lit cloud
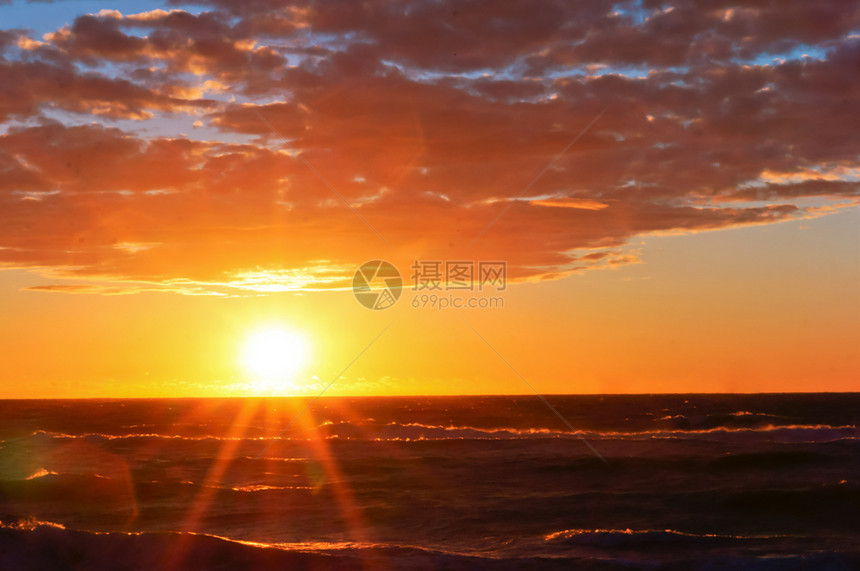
{"x": 428, "y": 120}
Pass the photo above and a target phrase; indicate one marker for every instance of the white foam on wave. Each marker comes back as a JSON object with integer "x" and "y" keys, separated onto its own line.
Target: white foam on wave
{"x": 394, "y": 432}
{"x": 41, "y": 473}
{"x": 30, "y": 523}
{"x": 614, "y": 536}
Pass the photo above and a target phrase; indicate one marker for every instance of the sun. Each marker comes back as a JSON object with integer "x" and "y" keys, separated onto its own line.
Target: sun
{"x": 273, "y": 356}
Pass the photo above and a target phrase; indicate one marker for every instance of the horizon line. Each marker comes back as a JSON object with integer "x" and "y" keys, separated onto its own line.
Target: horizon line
{"x": 332, "y": 397}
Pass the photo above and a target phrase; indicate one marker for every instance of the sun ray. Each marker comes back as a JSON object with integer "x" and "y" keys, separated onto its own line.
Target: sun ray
{"x": 207, "y": 489}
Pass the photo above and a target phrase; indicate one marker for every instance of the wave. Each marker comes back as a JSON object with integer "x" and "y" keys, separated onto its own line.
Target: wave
{"x": 734, "y": 419}
{"x": 36, "y": 544}
{"x": 405, "y": 432}
{"x": 30, "y": 523}
{"x": 637, "y": 538}
{"x": 43, "y": 545}
{"x": 264, "y": 488}
{"x": 41, "y": 473}
{"x": 771, "y": 459}
{"x": 417, "y": 431}
{"x": 118, "y": 493}
{"x": 134, "y": 435}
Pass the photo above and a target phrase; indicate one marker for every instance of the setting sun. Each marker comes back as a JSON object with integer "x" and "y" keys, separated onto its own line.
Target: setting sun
{"x": 273, "y": 357}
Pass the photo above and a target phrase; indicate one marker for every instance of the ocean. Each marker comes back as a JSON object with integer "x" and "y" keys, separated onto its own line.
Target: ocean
{"x": 498, "y": 482}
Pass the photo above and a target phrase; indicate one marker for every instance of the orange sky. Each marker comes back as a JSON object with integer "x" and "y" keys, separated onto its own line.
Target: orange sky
{"x": 674, "y": 193}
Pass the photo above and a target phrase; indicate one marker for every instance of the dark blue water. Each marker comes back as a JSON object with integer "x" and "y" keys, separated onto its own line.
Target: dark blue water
{"x": 677, "y": 482}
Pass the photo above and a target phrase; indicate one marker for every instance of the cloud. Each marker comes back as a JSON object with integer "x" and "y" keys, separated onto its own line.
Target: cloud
{"x": 583, "y": 203}
{"x": 427, "y": 121}
{"x": 35, "y": 86}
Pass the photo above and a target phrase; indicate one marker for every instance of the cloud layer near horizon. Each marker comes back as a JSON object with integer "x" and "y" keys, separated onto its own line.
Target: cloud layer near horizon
{"x": 211, "y": 147}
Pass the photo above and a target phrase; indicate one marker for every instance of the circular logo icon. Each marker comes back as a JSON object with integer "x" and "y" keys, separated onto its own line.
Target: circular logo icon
{"x": 377, "y": 284}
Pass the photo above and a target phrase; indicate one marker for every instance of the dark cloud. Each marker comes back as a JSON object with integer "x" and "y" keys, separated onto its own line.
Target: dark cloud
{"x": 32, "y": 86}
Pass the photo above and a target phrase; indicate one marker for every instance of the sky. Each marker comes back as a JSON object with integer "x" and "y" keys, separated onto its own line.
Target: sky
{"x": 670, "y": 187}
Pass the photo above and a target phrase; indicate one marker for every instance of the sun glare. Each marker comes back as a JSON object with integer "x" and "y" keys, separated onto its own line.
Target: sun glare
{"x": 273, "y": 357}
